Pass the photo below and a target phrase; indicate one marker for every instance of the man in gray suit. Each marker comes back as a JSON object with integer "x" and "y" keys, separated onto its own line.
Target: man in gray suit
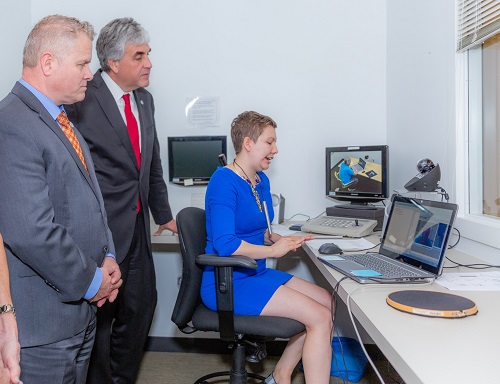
{"x": 52, "y": 217}
{"x": 117, "y": 120}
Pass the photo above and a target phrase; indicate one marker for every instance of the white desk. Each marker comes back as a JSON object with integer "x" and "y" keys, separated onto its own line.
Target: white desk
{"x": 167, "y": 237}
{"x": 421, "y": 349}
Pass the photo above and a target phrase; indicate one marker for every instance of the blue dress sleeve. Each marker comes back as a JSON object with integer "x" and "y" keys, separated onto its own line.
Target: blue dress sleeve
{"x": 220, "y": 206}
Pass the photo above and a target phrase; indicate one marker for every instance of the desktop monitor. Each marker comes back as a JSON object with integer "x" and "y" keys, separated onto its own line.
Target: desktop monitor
{"x": 193, "y": 159}
{"x": 358, "y": 175}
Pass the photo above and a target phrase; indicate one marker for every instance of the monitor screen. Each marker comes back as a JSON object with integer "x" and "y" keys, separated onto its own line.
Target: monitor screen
{"x": 357, "y": 174}
{"x": 193, "y": 159}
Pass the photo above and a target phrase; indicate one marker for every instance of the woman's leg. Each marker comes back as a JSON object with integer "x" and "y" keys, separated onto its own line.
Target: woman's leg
{"x": 309, "y": 304}
{"x": 315, "y": 292}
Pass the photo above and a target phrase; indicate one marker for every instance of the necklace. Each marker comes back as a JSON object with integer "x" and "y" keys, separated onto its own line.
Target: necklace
{"x": 254, "y": 191}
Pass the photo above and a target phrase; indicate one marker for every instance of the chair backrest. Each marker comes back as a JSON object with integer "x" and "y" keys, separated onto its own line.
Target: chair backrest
{"x": 341, "y": 182}
{"x": 338, "y": 178}
{"x": 192, "y": 240}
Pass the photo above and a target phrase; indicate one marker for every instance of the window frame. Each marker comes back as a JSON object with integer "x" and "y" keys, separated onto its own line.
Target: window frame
{"x": 472, "y": 223}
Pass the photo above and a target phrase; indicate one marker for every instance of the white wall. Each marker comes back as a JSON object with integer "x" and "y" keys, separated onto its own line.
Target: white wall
{"x": 382, "y": 68}
{"x": 420, "y": 88}
{"x": 15, "y": 24}
{"x": 318, "y": 73}
{"x": 330, "y": 72}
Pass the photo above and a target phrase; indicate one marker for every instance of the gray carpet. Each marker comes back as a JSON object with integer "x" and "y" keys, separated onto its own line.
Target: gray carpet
{"x": 186, "y": 368}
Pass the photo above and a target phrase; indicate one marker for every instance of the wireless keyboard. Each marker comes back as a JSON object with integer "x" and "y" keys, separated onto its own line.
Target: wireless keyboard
{"x": 340, "y": 226}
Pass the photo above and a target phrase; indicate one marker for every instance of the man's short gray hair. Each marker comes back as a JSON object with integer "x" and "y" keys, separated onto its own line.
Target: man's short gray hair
{"x": 113, "y": 38}
{"x": 55, "y": 33}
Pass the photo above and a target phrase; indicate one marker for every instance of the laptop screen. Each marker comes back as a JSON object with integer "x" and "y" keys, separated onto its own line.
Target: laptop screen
{"x": 417, "y": 232}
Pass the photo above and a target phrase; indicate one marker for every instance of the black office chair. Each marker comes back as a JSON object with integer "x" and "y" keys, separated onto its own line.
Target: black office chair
{"x": 190, "y": 315}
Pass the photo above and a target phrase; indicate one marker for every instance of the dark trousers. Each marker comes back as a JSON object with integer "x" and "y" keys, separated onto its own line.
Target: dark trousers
{"x": 63, "y": 362}
{"x": 123, "y": 326}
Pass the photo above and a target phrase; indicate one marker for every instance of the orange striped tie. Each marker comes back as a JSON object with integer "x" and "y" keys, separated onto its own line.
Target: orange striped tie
{"x": 70, "y": 134}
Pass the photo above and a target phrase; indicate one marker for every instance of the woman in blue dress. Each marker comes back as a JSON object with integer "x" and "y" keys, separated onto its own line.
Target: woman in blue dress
{"x": 236, "y": 225}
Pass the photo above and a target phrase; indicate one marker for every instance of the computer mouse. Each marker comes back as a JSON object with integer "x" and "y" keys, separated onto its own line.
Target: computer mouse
{"x": 330, "y": 249}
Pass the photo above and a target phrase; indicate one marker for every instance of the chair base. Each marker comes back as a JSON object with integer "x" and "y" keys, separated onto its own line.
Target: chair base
{"x": 238, "y": 373}
{"x": 255, "y": 350}
{"x": 233, "y": 378}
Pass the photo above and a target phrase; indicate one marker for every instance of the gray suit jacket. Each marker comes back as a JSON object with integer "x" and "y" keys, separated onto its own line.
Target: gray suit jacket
{"x": 52, "y": 219}
{"x": 98, "y": 119}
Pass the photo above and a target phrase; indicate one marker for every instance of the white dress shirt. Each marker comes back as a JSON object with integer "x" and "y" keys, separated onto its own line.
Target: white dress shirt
{"x": 118, "y": 93}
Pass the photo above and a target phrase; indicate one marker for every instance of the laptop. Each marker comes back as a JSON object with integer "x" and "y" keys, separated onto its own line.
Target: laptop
{"x": 359, "y": 166}
{"x": 412, "y": 247}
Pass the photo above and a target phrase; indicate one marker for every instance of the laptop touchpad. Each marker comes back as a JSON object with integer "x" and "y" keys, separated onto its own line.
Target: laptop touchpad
{"x": 350, "y": 265}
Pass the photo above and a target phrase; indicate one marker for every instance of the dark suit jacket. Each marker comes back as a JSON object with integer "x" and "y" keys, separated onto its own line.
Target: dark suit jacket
{"x": 52, "y": 219}
{"x": 98, "y": 119}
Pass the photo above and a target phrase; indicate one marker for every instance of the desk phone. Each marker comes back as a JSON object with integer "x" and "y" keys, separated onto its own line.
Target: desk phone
{"x": 340, "y": 226}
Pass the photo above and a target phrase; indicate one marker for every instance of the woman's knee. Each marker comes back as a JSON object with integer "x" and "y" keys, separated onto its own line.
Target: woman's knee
{"x": 327, "y": 298}
{"x": 321, "y": 319}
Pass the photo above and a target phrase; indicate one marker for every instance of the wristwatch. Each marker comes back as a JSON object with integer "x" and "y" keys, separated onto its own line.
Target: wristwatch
{"x": 7, "y": 308}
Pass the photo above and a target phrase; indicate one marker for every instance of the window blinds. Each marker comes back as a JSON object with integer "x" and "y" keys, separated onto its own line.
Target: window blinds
{"x": 477, "y": 20}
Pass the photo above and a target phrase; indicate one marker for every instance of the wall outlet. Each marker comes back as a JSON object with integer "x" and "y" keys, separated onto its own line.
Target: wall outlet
{"x": 198, "y": 200}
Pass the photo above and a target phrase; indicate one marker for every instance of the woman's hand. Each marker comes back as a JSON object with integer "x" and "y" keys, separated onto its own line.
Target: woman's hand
{"x": 288, "y": 243}
{"x": 305, "y": 237}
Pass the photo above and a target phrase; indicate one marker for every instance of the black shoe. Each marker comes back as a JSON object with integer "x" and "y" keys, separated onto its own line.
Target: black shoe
{"x": 255, "y": 351}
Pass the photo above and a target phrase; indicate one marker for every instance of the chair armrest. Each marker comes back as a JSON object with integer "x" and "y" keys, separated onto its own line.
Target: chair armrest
{"x": 230, "y": 261}
{"x": 223, "y": 270}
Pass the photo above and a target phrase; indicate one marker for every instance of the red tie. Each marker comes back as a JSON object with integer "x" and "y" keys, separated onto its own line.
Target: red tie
{"x": 133, "y": 132}
{"x": 133, "y": 128}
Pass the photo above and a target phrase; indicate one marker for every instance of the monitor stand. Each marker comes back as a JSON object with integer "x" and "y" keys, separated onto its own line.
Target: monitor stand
{"x": 359, "y": 211}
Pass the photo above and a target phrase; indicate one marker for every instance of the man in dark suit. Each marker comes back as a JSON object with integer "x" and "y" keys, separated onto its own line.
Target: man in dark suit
{"x": 117, "y": 121}
{"x": 52, "y": 217}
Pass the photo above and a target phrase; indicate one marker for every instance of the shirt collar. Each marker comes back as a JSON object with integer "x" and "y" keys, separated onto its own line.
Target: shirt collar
{"x": 49, "y": 105}
{"x": 114, "y": 88}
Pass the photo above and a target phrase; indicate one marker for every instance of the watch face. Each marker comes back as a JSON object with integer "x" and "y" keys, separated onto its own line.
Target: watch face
{"x": 7, "y": 308}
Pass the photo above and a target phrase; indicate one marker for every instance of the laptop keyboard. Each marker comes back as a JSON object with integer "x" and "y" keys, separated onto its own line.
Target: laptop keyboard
{"x": 381, "y": 266}
{"x": 357, "y": 168}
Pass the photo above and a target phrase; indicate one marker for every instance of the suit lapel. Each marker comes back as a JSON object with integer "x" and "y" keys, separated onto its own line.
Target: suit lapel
{"x": 110, "y": 109}
{"x": 33, "y": 103}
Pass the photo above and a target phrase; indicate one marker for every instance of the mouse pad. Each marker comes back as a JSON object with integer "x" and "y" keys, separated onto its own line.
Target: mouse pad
{"x": 432, "y": 304}
{"x": 371, "y": 174}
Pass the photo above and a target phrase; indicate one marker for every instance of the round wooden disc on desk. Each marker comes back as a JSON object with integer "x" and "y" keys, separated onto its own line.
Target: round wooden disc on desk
{"x": 432, "y": 304}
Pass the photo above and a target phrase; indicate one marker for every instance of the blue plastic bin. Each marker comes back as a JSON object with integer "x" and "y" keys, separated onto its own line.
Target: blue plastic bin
{"x": 348, "y": 359}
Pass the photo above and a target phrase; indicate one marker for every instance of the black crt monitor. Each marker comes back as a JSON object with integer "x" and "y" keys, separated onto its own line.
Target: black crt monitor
{"x": 193, "y": 159}
{"x": 357, "y": 175}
